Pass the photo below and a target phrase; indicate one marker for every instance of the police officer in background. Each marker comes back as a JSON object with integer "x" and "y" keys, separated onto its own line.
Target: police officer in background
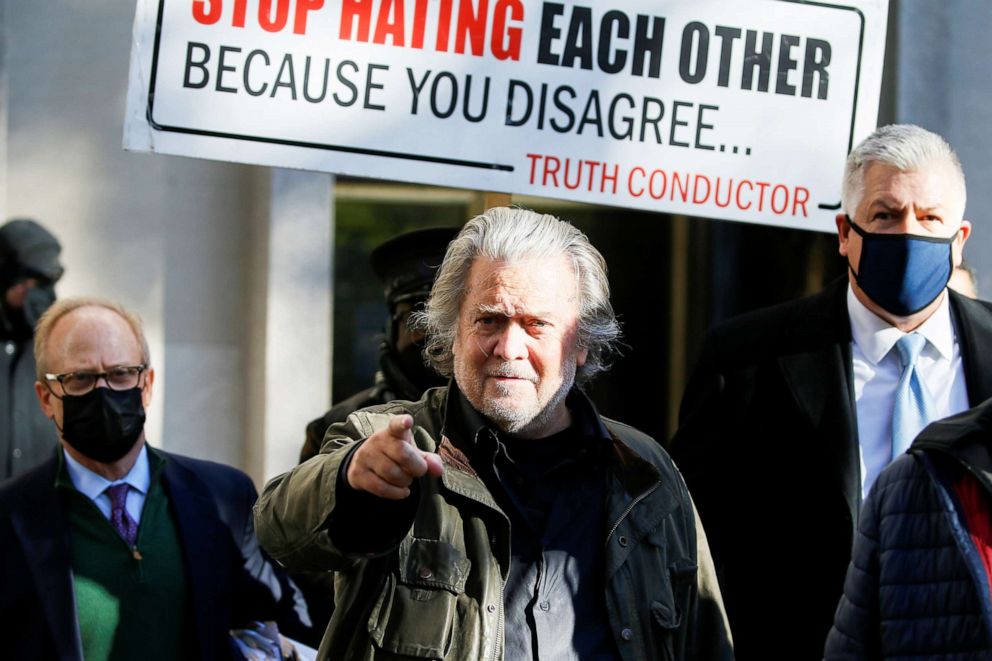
{"x": 406, "y": 264}
{"x": 29, "y": 269}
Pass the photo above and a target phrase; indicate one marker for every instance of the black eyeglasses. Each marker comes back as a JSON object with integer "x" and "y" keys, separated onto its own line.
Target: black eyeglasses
{"x": 122, "y": 377}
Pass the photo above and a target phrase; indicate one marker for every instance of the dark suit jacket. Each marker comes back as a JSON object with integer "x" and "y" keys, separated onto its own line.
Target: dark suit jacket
{"x": 768, "y": 444}
{"x": 231, "y": 581}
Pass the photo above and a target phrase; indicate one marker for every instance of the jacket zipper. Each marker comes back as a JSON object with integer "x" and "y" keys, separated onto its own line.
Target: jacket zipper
{"x": 630, "y": 507}
{"x": 499, "y": 621}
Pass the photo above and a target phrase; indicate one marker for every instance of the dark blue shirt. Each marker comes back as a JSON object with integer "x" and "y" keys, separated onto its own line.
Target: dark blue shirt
{"x": 553, "y": 490}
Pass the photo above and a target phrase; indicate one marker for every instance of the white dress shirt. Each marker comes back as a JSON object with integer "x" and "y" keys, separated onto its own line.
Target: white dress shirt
{"x": 94, "y": 486}
{"x": 877, "y": 371}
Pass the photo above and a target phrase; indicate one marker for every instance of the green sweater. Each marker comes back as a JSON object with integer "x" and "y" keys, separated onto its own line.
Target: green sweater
{"x": 130, "y": 603}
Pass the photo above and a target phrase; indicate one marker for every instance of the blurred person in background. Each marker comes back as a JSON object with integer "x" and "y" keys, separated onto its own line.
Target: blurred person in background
{"x": 964, "y": 280}
{"x": 29, "y": 269}
{"x": 406, "y": 264}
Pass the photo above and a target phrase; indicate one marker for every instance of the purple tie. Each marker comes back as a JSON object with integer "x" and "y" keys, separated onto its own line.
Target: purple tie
{"x": 121, "y": 520}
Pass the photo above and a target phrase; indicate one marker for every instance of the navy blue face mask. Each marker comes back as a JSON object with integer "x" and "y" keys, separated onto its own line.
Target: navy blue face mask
{"x": 903, "y": 273}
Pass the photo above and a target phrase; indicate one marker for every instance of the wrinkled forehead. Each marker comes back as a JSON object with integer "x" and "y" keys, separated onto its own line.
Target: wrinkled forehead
{"x": 936, "y": 184}
{"x": 90, "y": 337}
{"x": 527, "y": 286}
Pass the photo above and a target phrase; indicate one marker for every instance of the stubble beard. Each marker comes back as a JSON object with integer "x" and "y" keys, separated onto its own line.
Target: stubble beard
{"x": 520, "y": 420}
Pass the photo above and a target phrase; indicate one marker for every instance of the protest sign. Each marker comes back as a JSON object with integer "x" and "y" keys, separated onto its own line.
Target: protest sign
{"x": 735, "y": 109}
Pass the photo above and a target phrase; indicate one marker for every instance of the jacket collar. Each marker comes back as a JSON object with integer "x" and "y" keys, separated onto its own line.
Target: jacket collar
{"x": 958, "y": 434}
{"x": 464, "y": 424}
{"x": 462, "y": 432}
{"x": 637, "y": 497}
{"x": 966, "y": 438}
{"x": 634, "y": 475}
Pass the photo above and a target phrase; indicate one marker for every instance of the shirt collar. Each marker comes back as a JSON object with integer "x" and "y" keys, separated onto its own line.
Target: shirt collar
{"x": 91, "y": 484}
{"x": 876, "y": 337}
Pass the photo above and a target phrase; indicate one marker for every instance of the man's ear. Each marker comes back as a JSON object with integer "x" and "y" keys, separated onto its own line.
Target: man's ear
{"x": 146, "y": 389}
{"x": 843, "y": 232}
{"x": 962, "y": 236}
{"x": 45, "y": 399}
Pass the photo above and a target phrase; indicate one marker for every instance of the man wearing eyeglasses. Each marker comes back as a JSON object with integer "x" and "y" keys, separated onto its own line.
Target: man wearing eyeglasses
{"x": 113, "y": 549}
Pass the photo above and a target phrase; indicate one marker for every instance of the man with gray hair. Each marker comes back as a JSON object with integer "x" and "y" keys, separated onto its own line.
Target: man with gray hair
{"x": 794, "y": 410}
{"x": 502, "y": 517}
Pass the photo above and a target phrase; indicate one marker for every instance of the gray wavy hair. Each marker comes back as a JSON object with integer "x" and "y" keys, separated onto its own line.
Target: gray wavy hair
{"x": 510, "y": 234}
{"x": 906, "y": 147}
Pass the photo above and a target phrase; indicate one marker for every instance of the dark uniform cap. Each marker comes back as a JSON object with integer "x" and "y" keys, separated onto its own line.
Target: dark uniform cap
{"x": 407, "y": 263}
{"x": 28, "y": 249}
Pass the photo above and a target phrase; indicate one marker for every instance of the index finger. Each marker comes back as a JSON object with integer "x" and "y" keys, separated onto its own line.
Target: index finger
{"x": 399, "y": 427}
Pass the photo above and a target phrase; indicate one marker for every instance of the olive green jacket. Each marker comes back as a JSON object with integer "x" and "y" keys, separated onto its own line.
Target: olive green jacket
{"x": 437, "y": 591}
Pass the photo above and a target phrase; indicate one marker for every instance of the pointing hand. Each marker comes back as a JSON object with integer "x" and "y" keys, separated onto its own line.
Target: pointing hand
{"x": 388, "y": 461}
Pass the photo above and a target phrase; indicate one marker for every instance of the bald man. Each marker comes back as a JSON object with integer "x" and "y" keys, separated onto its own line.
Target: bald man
{"x": 113, "y": 549}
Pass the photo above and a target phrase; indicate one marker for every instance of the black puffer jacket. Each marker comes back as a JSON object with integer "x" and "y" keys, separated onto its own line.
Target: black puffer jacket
{"x": 916, "y": 587}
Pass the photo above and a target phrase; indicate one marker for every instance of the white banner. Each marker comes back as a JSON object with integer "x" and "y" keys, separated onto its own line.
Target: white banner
{"x": 735, "y": 109}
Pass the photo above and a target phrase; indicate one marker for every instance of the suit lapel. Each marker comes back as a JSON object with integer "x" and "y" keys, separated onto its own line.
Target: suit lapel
{"x": 819, "y": 375}
{"x": 973, "y": 325}
{"x": 199, "y": 535}
{"x": 42, "y": 528}
{"x": 818, "y": 372}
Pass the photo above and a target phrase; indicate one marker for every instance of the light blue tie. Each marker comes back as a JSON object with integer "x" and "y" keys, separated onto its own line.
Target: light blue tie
{"x": 913, "y": 408}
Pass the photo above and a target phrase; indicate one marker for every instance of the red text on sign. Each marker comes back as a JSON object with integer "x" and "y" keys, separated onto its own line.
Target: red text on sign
{"x": 742, "y": 195}
{"x": 273, "y": 15}
{"x": 577, "y": 174}
{"x": 471, "y": 20}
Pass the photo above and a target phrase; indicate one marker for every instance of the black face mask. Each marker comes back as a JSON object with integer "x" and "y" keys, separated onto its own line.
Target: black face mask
{"x": 36, "y": 300}
{"x": 411, "y": 361}
{"x": 18, "y": 323}
{"x": 103, "y": 424}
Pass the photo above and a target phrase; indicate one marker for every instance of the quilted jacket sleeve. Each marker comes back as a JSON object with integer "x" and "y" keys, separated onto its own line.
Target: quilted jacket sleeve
{"x": 855, "y": 632}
